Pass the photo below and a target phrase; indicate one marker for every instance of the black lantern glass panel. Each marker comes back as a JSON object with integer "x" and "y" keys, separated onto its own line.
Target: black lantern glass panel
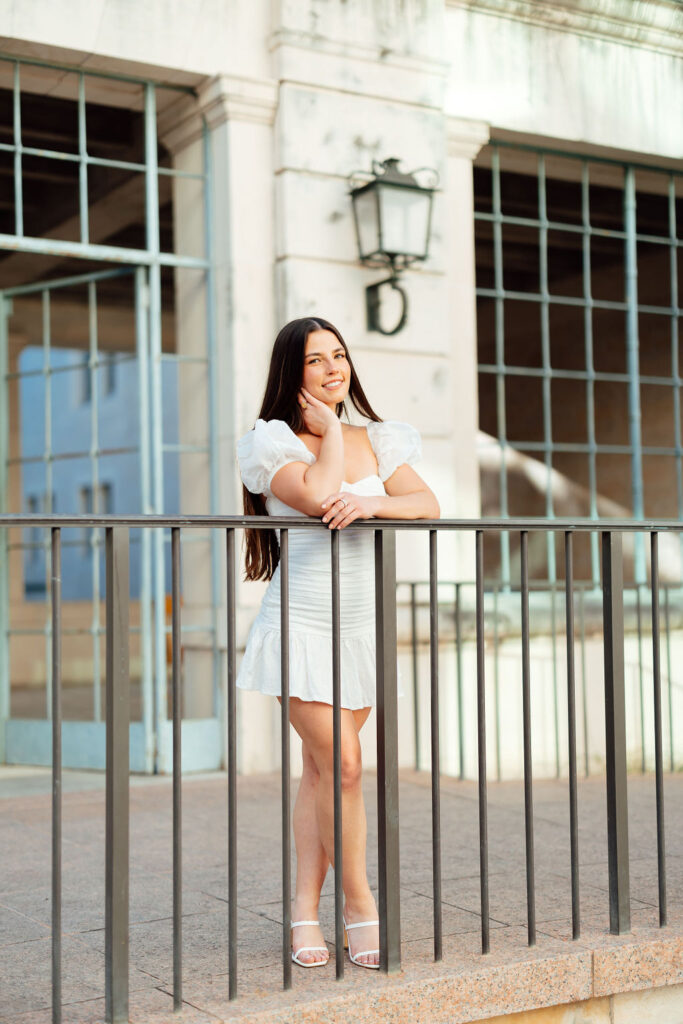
{"x": 404, "y": 218}
{"x": 368, "y": 231}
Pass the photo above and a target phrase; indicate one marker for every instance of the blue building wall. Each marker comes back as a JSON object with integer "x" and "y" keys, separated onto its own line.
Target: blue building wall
{"x": 71, "y": 434}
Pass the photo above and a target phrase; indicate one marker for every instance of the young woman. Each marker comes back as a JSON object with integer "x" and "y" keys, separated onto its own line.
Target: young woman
{"x": 301, "y": 459}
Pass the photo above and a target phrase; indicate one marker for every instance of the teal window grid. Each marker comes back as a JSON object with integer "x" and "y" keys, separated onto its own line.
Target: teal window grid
{"x": 144, "y": 265}
{"x": 150, "y": 168}
{"x": 631, "y": 308}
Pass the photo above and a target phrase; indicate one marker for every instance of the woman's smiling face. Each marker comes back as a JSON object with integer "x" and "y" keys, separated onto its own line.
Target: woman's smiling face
{"x": 327, "y": 374}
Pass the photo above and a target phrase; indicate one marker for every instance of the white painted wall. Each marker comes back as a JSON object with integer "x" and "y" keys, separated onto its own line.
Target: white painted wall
{"x": 191, "y": 41}
{"x": 573, "y": 77}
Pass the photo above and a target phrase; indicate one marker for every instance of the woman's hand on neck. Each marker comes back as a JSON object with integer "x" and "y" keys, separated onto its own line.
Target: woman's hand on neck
{"x": 319, "y": 417}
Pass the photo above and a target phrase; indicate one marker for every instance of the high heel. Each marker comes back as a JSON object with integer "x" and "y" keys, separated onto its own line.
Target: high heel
{"x": 363, "y": 952}
{"x": 307, "y": 949}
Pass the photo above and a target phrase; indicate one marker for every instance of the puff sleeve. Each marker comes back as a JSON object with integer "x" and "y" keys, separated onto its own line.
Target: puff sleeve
{"x": 265, "y": 449}
{"x": 394, "y": 443}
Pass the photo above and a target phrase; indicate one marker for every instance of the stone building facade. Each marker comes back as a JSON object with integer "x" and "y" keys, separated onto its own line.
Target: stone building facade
{"x": 534, "y": 114}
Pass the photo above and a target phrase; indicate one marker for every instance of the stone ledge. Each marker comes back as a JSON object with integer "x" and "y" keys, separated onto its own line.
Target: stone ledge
{"x": 638, "y": 966}
{"x": 466, "y": 996}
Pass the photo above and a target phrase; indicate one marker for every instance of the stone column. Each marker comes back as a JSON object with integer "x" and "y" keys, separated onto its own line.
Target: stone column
{"x": 465, "y": 139}
{"x": 239, "y": 114}
{"x": 185, "y": 139}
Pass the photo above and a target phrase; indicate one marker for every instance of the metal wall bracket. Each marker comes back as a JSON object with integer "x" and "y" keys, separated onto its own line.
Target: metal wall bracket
{"x": 373, "y": 302}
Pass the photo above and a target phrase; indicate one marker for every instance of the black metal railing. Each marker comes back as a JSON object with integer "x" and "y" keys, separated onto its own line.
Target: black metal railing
{"x": 118, "y": 716}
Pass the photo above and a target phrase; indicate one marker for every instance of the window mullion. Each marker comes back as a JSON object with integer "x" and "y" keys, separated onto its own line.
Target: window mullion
{"x": 82, "y": 163}
{"x": 500, "y": 361}
{"x": 545, "y": 358}
{"x": 632, "y": 364}
{"x": 590, "y": 366}
{"x": 18, "y": 179}
{"x": 95, "y": 535}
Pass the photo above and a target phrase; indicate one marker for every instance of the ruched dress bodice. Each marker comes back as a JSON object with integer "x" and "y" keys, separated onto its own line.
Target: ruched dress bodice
{"x": 310, "y": 573}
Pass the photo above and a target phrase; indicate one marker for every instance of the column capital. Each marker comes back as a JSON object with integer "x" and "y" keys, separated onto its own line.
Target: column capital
{"x": 231, "y": 98}
{"x": 220, "y": 99}
{"x": 466, "y": 138}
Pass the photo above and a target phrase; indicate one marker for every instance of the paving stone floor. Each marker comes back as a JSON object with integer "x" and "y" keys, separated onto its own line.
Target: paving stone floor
{"x": 25, "y": 818}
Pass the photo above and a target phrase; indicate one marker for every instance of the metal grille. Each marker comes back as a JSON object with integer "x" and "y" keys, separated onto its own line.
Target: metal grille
{"x": 569, "y": 242}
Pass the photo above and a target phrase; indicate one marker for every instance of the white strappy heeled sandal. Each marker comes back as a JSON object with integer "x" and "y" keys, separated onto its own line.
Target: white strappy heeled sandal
{"x": 363, "y": 952}
{"x": 308, "y": 949}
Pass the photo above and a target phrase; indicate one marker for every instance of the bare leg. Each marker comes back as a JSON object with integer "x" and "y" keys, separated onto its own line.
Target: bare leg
{"x": 313, "y": 721}
{"x": 311, "y": 862}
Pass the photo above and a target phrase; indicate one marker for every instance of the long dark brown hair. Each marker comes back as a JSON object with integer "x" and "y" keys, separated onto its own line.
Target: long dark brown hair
{"x": 285, "y": 375}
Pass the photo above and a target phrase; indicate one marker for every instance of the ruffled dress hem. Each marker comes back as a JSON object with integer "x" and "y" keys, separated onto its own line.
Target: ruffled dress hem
{"x": 310, "y": 659}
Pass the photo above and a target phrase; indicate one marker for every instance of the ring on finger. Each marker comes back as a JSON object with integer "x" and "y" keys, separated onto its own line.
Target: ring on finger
{"x": 344, "y": 502}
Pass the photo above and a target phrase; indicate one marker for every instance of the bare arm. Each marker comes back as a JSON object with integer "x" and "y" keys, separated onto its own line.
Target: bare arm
{"x": 304, "y": 487}
{"x": 407, "y": 497}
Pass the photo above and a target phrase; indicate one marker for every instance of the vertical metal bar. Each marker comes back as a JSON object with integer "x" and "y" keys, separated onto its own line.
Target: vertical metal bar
{"x": 584, "y": 683}
{"x": 657, "y": 683}
{"x": 641, "y": 689}
{"x": 416, "y": 689}
{"x": 47, "y": 376}
{"x": 141, "y": 342}
{"x": 95, "y": 490}
{"x": 526, "y": 727}
{"x": 571, "y": 731}
{"x": 667, "y": 622}
{"x": 285, "y": 755}
{"x": 633, "y": 368}
{"x": 18, "y": 179}
{"x": 500, "y": 359}
{"x": 56, "y": 573}
{"x": 556, "y": 710}
{"x": 481, "y": 745}
{"x": 232, "y": 764}
{"x": 387, "y": 752}
{"x": 556, "y": 713}
{"x": 117, "y": 795}
{"x": 458, "y": 669}
{"x": 177, "y": 775}
{"x": 5, "y": 309}
{"x": 152, "y": 221}
{"x": 615, "y": 733}
{"x": 83, "y": 163}
{"x": 590, "y": 368}
{"x": 496, "y": 680}
{"x": 545, "y": 358}
{"x": 336, "y": 756}
{"x": 436, "y": 766}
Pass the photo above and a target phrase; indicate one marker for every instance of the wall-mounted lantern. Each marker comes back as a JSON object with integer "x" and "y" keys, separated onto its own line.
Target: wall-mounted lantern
{"x": 392, "y": 213}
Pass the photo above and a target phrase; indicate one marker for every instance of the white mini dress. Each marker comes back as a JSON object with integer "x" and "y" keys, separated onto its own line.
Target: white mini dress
{"x": 261, "y": 453}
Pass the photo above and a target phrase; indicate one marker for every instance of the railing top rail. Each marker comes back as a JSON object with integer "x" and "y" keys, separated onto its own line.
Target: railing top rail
{"x": 306, "y": 522}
